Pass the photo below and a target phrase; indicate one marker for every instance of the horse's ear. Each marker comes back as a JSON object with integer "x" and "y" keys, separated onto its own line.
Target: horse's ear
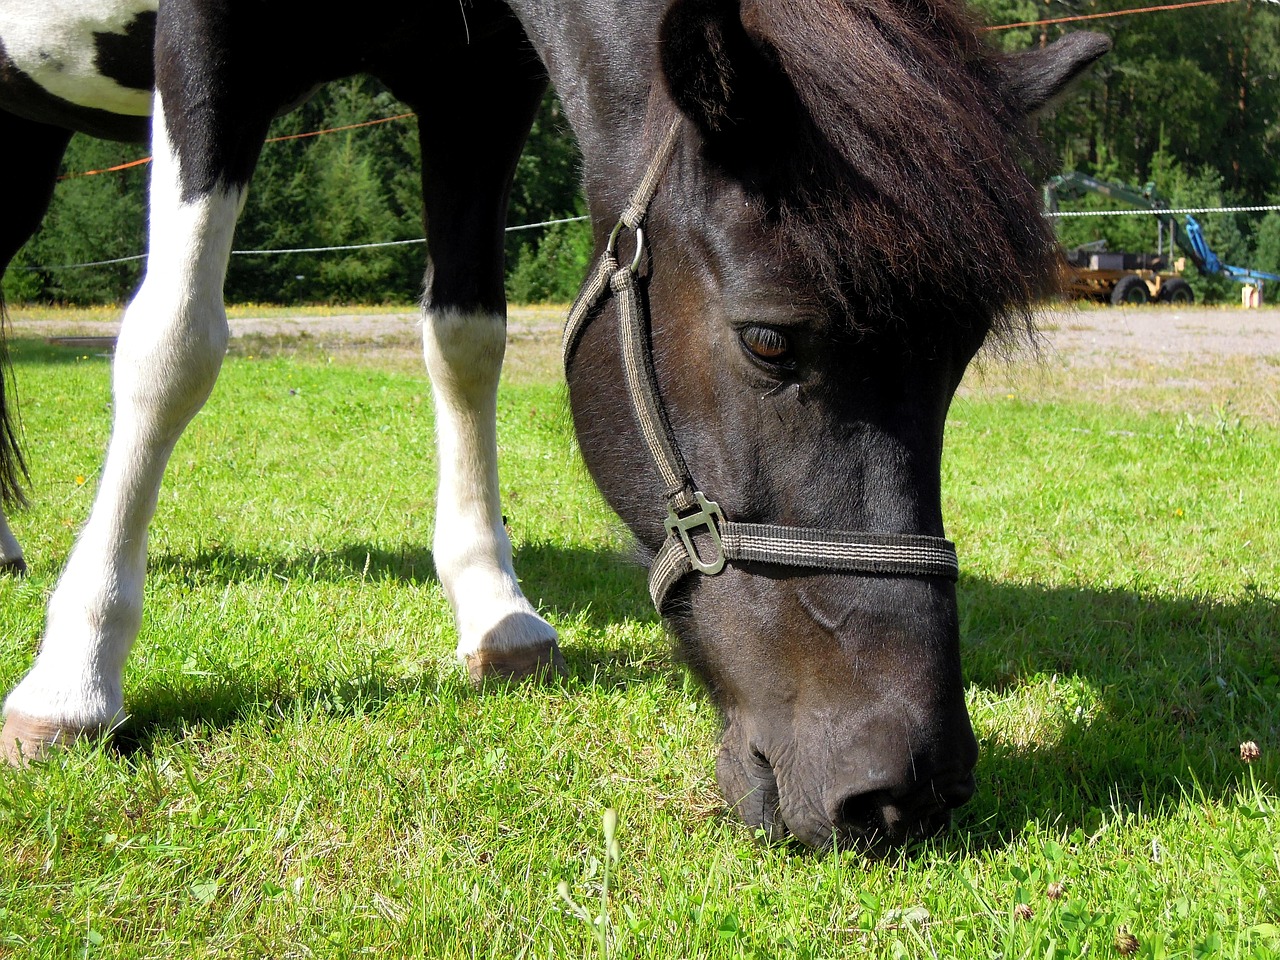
{"x": 1039, "y": 77}
{"x": 718, "y": 74}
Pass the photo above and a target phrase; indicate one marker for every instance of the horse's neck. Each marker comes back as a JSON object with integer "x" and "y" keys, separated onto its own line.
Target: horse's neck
{"x": 601, "y": 57}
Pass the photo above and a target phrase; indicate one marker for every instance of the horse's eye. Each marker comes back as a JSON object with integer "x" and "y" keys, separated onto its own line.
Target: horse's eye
{"x": 766, "y": 344}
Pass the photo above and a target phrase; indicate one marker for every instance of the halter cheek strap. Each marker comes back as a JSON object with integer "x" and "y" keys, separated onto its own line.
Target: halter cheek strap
{"x": 690, "y": 514}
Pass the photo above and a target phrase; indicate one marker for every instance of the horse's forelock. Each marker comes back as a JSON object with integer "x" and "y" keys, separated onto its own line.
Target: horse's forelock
{"x": 908, "y": 184}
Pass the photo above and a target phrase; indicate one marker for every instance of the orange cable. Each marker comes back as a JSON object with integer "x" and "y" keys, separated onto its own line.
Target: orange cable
{"x": 403, "y": 116}
{"x": 1112, "y": 13}
{"x": 118, "y": 166}
{"x": 292, "y": 136}
{"x": 349, "y": 126}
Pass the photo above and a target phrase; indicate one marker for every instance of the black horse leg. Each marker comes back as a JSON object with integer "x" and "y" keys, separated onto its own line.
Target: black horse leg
{"x": 471, "y": 140}
{"x": 34, "y": 154}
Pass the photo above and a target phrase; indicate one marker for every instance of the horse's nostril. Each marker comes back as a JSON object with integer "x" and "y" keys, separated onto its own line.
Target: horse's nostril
{"x": 939, "y": 793}
{"x": 867, "y": 819}
{"x": 882, "y": 819}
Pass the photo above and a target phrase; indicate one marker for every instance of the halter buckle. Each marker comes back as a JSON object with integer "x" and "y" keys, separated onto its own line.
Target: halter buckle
{"x": 706, "y": 514}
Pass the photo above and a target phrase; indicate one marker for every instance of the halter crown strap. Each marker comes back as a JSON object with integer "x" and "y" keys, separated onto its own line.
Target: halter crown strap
{"x": 699, "y": 538}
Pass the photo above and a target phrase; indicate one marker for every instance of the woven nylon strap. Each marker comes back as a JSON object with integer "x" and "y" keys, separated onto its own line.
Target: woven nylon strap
{"x": 699, "y": 538}
{"x": 867, "y": 553}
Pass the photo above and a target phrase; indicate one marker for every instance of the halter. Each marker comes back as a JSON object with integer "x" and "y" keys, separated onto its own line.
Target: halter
{"x": 689, "y": 511}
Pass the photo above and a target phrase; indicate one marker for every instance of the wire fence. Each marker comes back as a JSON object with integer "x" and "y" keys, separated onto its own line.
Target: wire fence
{"x": 1057, "y": 214}
{"x": 1176, "y": 211}
{"x": 281, "y": 251}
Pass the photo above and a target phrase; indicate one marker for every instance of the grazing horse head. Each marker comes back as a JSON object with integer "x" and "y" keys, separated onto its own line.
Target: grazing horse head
{"x": 843, "y": 219}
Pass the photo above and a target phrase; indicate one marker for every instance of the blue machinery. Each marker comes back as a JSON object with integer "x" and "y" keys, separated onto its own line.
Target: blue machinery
{"x": 1141, "y": 278}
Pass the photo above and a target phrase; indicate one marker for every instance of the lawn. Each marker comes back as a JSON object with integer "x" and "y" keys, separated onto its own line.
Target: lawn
{"x": 306, "y": 773}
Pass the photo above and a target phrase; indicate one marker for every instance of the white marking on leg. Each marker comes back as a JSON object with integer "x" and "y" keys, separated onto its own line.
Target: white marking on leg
{"x": 170, "y": 349}
{"x": 471, "y": 549}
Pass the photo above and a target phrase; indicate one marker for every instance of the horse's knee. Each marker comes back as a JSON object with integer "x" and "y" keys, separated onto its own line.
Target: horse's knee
{"x": 174, "y": 333}
{"x": 165, "y": 377}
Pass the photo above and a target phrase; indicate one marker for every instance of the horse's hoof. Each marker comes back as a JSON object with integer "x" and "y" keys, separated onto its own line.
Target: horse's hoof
{"x": 24, "y": 739}
{"x": 524, "y": 663}
{"x": 13, "y": 568}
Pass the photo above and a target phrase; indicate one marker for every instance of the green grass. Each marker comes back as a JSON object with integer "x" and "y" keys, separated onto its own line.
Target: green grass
{"x": 306, "y": 773}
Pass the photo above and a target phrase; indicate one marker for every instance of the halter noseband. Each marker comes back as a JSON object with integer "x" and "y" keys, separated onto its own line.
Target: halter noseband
{"x": 689, "y": 512}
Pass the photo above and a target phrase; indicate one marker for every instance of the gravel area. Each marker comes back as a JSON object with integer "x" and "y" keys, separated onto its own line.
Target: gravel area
{"x": 1107, "y": 336}
{"x": 1096, "y": 336}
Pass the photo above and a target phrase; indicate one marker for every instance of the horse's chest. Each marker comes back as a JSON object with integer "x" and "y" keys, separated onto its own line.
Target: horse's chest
{"x": 93, "y": 54}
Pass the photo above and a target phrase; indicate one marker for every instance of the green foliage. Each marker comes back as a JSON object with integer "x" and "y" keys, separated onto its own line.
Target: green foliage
{"x": 1188, "y": 99}
{"x": 352, "y": 187}
{"x": 1266, "y": 252}
{"x": 552, "y": 271}
{"x": 91, "y": 218}
{"x": 548, "y": 174}
{"x": 1199, "y": 85}
{"x": 547, "y": 265}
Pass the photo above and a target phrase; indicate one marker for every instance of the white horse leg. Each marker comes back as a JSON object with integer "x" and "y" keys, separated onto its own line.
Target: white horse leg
{"x": 499, "y": 633}
{"x": 170, "y": 349}
{"x": 10, "y": 550}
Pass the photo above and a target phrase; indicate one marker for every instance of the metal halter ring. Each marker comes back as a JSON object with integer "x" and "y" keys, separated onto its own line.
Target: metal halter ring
{"x": 612, "y": 249}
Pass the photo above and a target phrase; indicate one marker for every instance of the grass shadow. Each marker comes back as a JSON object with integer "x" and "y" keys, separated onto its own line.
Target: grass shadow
{"x": 224, "y": 702}
{"x": 598, "y": 586}
{"x": 354, "y": 561}
{"x": 28, "y": 350}
{"x": 1122, "y": 701}
{"x": 593, "y": 587}
{"x": 1129, "y": 701}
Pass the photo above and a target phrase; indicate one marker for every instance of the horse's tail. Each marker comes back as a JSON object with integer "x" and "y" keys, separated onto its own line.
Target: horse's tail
{"x": 13, "y": 467}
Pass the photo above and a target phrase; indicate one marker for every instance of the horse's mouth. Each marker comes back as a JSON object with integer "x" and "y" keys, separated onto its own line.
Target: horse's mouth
{"x": 875, "y": 823}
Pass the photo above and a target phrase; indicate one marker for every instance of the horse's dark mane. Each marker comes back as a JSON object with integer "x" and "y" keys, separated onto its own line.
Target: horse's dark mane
{"x": 939, "y": 218}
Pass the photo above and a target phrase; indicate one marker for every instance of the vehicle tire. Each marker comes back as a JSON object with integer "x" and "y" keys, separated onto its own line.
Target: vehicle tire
{"x": 1130, "y": 291}
{"x": 1177, "y": 290}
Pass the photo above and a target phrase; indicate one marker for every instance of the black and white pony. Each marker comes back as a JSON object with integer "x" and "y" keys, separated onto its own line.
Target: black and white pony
{"x": 810, "y": 214}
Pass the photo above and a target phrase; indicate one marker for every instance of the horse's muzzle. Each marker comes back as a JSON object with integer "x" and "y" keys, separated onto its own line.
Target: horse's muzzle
{"x": 826, "y": 812}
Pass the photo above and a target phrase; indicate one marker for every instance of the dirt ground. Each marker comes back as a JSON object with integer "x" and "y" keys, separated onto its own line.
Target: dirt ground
{"x": 1159, "y": 357}
{"x": 1219, "y": 361}
{"x": 1088, "y": 335}
{"x": 1104, "y": 336}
